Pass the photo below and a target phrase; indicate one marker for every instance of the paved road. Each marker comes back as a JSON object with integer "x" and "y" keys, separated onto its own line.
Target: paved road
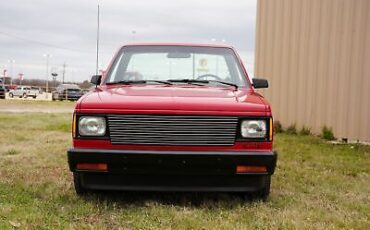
{"x": 31, "y": 106}
{"x": 40, "y": 97}
{"x": 35, "y": 110}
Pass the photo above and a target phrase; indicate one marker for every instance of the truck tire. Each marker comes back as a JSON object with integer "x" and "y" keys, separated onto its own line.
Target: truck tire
{"x": 80, "y": 190}
{"x": 261, "y": 194}
{"x": 54, "y": 96}
{"x": 264, "y": 193}
{"x": 11, "y": 95}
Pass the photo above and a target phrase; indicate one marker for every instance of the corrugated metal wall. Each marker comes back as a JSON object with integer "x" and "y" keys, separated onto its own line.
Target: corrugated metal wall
{"x": 316, "y": 56}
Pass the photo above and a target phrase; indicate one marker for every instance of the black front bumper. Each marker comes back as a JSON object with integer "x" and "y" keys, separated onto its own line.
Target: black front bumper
{"x": 172, "y": 170}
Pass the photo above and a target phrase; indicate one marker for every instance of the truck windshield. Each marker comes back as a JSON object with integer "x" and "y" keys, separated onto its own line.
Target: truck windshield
{"x": 152, "y": 64}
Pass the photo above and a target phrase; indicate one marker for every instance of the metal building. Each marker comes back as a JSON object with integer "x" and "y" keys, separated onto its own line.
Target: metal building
{"x": 316, "y": 56}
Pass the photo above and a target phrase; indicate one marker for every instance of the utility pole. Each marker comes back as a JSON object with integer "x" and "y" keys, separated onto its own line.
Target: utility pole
{"x": 64, "y": 72}
{"x": 20, "y": 78}
{"x": 47, "y": 73}
{"x": 4, "y": 77}
{"x": 11, "y": 70}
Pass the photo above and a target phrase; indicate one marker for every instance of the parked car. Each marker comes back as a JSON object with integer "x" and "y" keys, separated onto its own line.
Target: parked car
{"x": 189, "y": 119}
{"x": 70, "y": 92}
{"x": 36, "y": 89}
{"x": 10, "y": 87}
{"x": 23, "y": 91}
{"x": 2, "y": 92}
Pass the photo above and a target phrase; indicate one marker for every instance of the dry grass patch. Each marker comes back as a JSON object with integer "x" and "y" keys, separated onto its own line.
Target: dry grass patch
{"x": 21, "y": 106}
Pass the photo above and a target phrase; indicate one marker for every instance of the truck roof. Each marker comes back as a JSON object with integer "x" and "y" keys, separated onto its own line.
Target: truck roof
{"x": 216, "y": 45}
{"x": 69, "y": 86}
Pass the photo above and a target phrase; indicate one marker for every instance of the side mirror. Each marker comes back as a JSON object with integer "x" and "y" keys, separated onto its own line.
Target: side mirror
{"x": 96, "y": 79}
{"x": 259, "y": 83}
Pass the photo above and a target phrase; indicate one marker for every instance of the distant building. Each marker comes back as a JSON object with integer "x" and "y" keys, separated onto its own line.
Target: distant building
{"x": 316, "y": 56}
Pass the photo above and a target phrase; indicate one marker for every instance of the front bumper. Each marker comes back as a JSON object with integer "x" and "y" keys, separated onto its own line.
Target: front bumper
{"x": 72, "y": 97}
{"x": 172, "y": 170}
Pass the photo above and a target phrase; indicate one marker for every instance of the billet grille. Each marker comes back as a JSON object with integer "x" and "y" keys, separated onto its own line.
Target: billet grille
{"x": 172, "y": 130}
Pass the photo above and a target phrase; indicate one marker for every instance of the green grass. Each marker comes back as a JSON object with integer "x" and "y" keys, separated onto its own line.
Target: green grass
{"x": 22, "y": 106}
{"x": 317, "y": 185}
{"x": 327, "y": 133}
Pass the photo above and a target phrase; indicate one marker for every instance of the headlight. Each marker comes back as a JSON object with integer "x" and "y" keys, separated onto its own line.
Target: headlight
{"x": 253, "y": 128}
{"x": 92, "y": 126}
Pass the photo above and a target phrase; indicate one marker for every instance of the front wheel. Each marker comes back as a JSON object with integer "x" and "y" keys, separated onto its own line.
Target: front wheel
{"x": 79, "y": 188}
{"x": 263, "y": 193}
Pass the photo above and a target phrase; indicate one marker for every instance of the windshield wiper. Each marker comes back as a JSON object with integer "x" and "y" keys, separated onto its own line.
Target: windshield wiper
{"x": 162, "y": 82}
{"x": 190, "y": 81}
{"x": 126, "y": 82}
{"x": 225, "y": 83}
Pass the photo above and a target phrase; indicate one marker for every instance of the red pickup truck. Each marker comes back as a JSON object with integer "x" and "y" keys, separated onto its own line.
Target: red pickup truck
{"x": 173, "y": 117}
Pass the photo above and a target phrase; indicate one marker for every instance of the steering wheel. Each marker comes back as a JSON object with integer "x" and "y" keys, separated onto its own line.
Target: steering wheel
{"x": 204, "y": 76}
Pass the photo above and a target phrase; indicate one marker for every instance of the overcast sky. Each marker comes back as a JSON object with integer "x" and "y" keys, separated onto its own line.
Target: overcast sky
{"x": 67, "y": 30}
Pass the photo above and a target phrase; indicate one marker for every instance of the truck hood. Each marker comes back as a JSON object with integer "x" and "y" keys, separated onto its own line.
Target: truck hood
{"x": 172, "y": 98}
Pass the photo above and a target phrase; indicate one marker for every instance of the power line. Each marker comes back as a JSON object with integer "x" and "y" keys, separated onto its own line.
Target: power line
{"x": 39, "y": 43}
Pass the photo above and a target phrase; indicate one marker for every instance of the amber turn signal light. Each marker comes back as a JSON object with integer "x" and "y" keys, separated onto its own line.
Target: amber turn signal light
{"x": 74, "y": 126}
{"x": 92, "y": 166}
{"x": 271, "y": 129}
{"x": 250, "y": 169}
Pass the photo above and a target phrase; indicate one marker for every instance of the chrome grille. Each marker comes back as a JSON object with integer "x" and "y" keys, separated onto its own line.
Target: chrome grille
{"x": 172, "y": 130}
